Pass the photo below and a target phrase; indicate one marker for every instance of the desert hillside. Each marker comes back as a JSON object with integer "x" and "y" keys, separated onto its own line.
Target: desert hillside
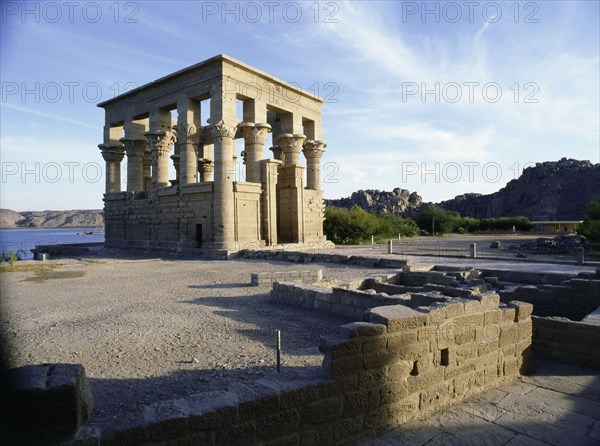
{"x": 51, "y": 219}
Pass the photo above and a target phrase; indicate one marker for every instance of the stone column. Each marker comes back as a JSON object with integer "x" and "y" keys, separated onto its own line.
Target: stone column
{"x": 177, "y": 164}
{"x": 135, "y": 150}
{"x": 205, "y": 168}
{"x": 113, "y": 155}
{"x": 187, "y": 137}
{"x": 147, "y": 169}
{"x": 313, "y": 151}
{"x": 292, "y": 146}
{"x": 223, "y": 135}
{"x": 255, "y": 136}
{"x": 160, "y": 145}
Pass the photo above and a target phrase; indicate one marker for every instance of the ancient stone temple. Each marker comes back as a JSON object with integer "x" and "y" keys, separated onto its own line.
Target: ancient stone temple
{"x": 197, "y": 204}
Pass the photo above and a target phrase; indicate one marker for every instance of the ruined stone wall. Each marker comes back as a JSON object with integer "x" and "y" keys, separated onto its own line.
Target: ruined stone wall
{"x": 566, "y": 340}
{"x": 575, "y": 299}
{"x": 526, "y": 277}
{"x": 403, "y": 364}
{"x": 349, "y": 303}
{"x": 325, "y": 253}
{"x": 285, "y": 276}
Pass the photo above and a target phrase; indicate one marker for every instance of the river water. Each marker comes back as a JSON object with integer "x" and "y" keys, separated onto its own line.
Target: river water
{"x": 22, "y": 241}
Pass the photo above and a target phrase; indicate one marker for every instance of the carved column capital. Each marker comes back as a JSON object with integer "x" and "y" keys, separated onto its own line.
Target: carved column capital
{"x": 285, "y": 141}
{"x": 205, "y": 165}
{"x": 314, "y": 148}
{"x": 187, "y": 134}
{"x": 134, "y": 146}
{"x": 291, "y": 145}
{"x": 112, "y": 153}
{"x": 298, "y": 141}
{"x": 277, "y": 152}
{"x": 222, "y": 130}
{"x": 254, "y": 133}
{"x": 161, "y": 141}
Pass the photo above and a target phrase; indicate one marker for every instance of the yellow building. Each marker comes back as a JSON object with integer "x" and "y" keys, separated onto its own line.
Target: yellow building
{"x": 559, "y": 226}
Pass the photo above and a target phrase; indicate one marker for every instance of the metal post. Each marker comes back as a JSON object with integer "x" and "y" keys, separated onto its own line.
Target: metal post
{"x": 390, "y": 247}
{"x": 372, "y": 240}
{"x": 278, "y": 351}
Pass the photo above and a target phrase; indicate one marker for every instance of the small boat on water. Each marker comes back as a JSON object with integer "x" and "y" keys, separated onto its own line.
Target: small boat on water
{"x": 94, "y": 232}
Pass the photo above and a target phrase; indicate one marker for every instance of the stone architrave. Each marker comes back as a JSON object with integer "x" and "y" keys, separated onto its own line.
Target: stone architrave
{"x": 113, "y": 155}
{"x": 255, "y": 136}
{"x": 313, "y": 151}
{"x": 135, "y": 149}
{"x": 160, "y": 145}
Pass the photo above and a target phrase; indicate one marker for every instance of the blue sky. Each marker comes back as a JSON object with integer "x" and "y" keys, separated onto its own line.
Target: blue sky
{"x": 441, "y": 98}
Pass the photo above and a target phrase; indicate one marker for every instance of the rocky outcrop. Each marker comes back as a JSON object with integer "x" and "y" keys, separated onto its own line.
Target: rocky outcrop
{"x": 560, "y": 243}
{"x": 51, "y": 219}
{"x": 552, "y": 190}
{"x": 399, "y": 202}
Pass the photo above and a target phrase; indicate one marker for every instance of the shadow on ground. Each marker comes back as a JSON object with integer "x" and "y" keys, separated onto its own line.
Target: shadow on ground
{"x": 300, "y": 334}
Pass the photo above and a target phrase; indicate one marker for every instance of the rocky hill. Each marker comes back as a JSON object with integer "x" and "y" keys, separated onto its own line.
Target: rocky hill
{"x": 552, "y": 190}
{"x": 51, "y": 219}
{"x": 398, "y": 202}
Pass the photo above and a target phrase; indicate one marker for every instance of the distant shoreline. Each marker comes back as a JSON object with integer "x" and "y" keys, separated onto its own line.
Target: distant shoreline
{"x": 74, "y": 218}
{"x": 54, "y": 227}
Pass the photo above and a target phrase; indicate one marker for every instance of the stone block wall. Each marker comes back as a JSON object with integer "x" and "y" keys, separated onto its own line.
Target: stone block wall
{"x": 402, "y": 365}
{"x": 420, "y": 360}
{"x": 294, "y": 253}
{"x": 350, "y": 303}
{"x": 566, "y": 340}
{"x": 575, "y": 299}
{"x": 526, "y": 277}
{"x": 286, "y": 276}
{"x": 166, "y": 222}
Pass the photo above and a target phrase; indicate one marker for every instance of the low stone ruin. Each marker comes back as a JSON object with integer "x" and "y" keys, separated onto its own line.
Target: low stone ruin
{"x": 413, "y": 354}
{"x": 46, "y": 403}
{"x": 562, "y": 305}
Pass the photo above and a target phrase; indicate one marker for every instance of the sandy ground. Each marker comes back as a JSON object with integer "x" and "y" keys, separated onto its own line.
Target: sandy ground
{"x": 148, "y": 330}
{"x": 152, "y": 330}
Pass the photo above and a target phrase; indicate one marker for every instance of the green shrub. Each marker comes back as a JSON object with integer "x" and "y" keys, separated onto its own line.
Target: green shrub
{"x": 354, "y": 226}
{"x": 505, "y": 224}
{"x": 443, "y": 220}
{"x": 469, "y": 224}
{"x": 590, "y": 228}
